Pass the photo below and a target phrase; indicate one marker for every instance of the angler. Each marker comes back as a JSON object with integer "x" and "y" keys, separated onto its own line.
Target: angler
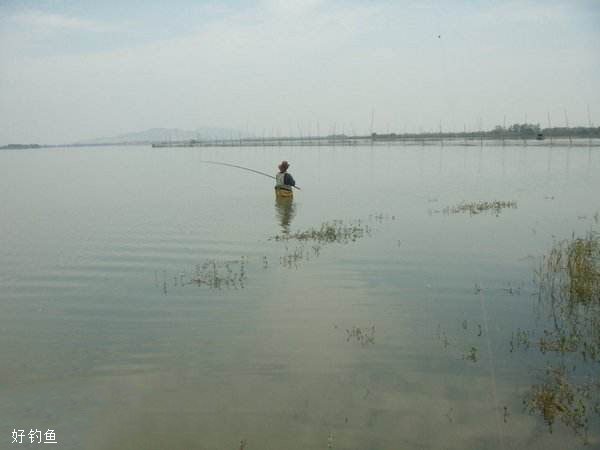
{"x": 284, "y": 181}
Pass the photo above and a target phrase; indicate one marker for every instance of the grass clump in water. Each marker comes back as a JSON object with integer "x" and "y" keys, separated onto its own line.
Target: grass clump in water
{"x": 221, "y": 275}
{"x": 568, "y": 282}
{"x": 474, "y": 208}
{"x": 364, "y": 336}
{"x": 471, "y": 355}
{"x": 560, "y": 399}
{"x": 329, "y": 232}
{"x": 311, "y": 241}
{"x": 583, "y": 267}
{"x": 569, "y": 278}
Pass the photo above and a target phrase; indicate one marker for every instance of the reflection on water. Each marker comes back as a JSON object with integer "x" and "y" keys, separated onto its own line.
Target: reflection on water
{"x": 285, "y": 210}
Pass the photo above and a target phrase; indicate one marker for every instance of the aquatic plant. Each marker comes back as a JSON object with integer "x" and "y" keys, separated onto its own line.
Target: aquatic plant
{"x": 364, "y": 336}
{"x": 568, "y": 282}
{"x": 381, "y": 217}
{"x": 474, "y": 208}
{"x": 221, "y": 274}
{"x": 309, "y": 242}
{"x": 442, "y": 337}
{"x": 292, "y": 257}
{"x": 471, "y": 355}
{"x": 521, "y": 340}
{"x": 329, "y": 232}
{"x": 560, "y": 399}
{"x": 512, "y": 290}
{"x": 583, "y": 266}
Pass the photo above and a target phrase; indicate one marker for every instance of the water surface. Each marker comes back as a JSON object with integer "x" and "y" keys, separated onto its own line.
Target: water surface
{"x": 144, "y": 303}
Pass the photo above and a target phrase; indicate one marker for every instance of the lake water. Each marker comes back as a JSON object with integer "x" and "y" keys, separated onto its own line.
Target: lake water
{"x": 146, "y": 304}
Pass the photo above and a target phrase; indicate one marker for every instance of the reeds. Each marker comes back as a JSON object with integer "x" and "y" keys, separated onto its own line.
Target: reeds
{"x": 568, "y": 281}
{"x": 571, "y": 271}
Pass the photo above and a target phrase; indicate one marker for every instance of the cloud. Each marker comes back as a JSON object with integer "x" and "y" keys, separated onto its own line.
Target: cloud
{"x": 42, "y": 21}
{"x": 527, "y": 12}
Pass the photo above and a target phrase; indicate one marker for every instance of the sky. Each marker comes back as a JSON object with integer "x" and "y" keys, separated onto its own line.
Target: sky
{"x": 75, "y": 70}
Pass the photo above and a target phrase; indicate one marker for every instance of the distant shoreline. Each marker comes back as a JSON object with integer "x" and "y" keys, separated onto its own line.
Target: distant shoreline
{"x": 43, "y": 146}
{"x": 579, "y": 136}
{"x": 413, "y": 140}
{"x": 20, "y": 146}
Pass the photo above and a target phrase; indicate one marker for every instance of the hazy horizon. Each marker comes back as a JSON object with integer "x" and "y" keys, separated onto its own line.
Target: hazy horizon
{"x": 73, "y": 71}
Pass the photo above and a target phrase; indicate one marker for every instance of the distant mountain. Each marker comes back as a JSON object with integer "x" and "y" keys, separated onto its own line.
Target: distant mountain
{"x": 19, "y": 146}
{"x": 165, "y": 135}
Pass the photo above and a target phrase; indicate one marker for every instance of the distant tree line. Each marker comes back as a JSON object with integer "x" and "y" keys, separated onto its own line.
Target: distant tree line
{"x": 515, "y": 131}
{"x": 533, "y": 130}
{"x": 519, "y": 129}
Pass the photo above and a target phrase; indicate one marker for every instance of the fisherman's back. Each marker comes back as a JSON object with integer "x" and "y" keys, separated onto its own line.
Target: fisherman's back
{"x": 284, "y": 182}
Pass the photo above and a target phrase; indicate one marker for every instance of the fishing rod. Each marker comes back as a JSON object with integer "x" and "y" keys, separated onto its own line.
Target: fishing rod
{"x": 243, "y": 168}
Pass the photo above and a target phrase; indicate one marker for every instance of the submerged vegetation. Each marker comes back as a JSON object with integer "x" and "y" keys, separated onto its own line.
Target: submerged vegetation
{"x": 329, "y": 232}
{"x": 474, "y": 208}
{"x": 309, "y": 242}
{"x": 364, "y": 336}
{"x": 467, "y": 338}
{"x": 471, "y": 355}
{"x": 561, "y": 398}
{"x": 299, "y": 246}
{"x": 221, "y": 275}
